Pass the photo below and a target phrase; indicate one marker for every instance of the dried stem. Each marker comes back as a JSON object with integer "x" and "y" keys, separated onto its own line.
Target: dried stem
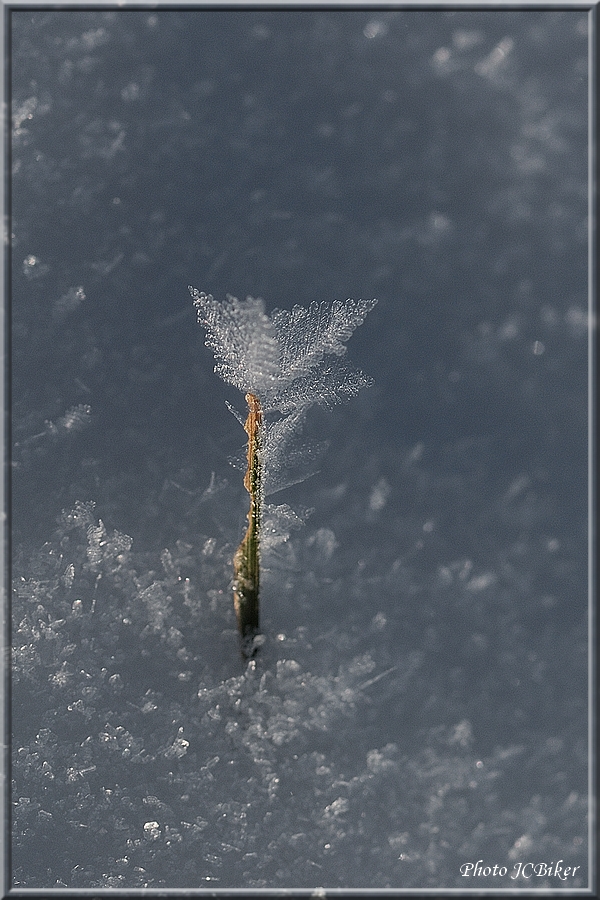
{"x": 246, "y": 559}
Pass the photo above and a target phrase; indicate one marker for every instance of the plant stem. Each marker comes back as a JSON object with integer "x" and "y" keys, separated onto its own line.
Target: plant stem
{"x": 246, "y": 559}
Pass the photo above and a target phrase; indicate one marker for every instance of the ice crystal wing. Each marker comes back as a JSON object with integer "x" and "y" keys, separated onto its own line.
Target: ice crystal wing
{"x": 287, "y": 461}
{"x": 241, "y": 419}
{"x": 326, "y": 385}
{"x": 306, "y": 336}
{"x": 242, "y": 338}
{"x": 278, "y": 523}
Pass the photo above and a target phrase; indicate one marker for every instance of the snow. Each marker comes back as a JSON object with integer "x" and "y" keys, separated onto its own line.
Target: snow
{"x": 300, "y": 768}
{"x": 419, "y": 701}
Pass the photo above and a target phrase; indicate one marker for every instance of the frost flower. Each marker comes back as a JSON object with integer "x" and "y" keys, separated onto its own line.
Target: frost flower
{"x": 284, "y": 363}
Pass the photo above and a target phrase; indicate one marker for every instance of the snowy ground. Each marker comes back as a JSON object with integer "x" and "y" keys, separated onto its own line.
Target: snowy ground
{"x": 420, "y": 702}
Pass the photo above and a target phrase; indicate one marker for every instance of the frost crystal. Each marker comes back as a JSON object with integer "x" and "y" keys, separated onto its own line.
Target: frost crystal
{"x": 291, "y": 361}
{"x": 285, "y": 364}
{"x": 242, "y": 338}
{"x": 284, "y": 359}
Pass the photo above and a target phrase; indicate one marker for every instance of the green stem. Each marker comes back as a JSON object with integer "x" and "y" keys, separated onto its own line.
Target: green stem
{"x": 246, "y": 571}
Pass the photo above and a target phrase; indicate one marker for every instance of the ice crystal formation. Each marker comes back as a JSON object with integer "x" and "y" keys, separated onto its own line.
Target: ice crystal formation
{"x": 284, "y": 363}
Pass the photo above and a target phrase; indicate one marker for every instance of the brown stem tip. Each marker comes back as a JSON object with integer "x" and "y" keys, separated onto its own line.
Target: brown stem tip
{"x": 246, "y": 573}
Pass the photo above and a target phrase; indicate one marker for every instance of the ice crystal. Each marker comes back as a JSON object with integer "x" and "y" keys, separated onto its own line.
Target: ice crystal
{"x": 76, "y": 418}
{"x": 284, "y": 359}
{"x": 242, "y": 338}
{"x": 290, "y": 361}
{"x": 103, "y": 549}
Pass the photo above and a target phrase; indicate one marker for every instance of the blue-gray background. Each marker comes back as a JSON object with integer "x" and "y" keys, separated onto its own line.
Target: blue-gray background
{"x": 421, "y": 700}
